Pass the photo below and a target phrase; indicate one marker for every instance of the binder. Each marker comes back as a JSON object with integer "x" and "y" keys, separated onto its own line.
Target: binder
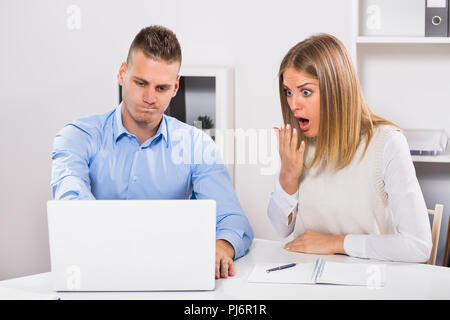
{"x": 436, "y": 18}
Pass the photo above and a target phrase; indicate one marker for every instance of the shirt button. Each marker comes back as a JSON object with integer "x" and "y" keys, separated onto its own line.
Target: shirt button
{"x": 140, "y": 148}
{"x": 134, "y": 178}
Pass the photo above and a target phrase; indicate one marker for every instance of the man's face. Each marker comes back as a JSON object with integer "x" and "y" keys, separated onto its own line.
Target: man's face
{"x": 147, "y": 87}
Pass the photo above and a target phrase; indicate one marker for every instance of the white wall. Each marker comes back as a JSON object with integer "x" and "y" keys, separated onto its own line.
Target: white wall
{"x": 51, "y": 75}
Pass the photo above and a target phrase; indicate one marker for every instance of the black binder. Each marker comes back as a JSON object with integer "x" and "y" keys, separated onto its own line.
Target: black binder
{"x": 436, "y": 18}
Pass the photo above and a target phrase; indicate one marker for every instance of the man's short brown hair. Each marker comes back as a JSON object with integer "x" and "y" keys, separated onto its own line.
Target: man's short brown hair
{"x": 158, "y": 43}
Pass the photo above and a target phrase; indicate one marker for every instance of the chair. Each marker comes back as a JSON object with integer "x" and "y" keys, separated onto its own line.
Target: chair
{"x": 447, "y": 248}
{"x": 435, "y": 230}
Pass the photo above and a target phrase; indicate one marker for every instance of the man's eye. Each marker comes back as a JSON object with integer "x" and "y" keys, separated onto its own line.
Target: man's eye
{"x": 161, "y": 89}
{"x": 140, "y": 84}
{"x": 306, "y": 92}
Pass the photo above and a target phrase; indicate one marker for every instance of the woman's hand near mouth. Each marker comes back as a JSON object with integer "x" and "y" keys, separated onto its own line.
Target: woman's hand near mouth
{"x": 291, "y": 158}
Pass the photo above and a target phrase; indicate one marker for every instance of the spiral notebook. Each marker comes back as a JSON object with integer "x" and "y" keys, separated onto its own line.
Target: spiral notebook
{"x": 324, "y": 272}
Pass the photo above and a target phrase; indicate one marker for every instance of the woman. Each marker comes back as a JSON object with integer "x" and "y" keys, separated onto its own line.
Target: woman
{"x": 347, "y": 183}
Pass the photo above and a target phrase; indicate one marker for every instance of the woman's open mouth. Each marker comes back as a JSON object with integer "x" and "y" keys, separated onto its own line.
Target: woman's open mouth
{"x": 304, "y": 123}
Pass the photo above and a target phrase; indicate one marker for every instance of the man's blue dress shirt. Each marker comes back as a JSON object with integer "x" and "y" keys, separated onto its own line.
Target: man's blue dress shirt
{"x": 95, "y": 157}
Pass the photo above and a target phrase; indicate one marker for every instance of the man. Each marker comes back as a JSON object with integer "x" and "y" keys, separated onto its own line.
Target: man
{"x": 134, "y": 151}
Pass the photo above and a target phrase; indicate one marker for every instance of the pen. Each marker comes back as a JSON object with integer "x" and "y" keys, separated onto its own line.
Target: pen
{"x": 282, "y": 267}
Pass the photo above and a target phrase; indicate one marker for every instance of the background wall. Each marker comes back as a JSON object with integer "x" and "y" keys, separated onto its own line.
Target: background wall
{"x": 53, "y": 73}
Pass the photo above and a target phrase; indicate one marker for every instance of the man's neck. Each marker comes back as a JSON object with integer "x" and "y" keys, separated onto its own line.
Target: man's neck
{"x": 142, "y": 130}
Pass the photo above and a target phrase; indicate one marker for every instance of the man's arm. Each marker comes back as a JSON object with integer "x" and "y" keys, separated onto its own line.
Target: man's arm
{"x": 234, "y": 234}
{"x": 72, "y": 150}
{"x": 211, "y": 180}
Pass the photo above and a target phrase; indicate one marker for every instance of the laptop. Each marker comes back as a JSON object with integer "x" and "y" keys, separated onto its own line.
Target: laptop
{"x": 132, "y": 245}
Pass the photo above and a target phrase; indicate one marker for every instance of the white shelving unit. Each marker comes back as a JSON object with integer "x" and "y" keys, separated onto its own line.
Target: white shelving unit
{"x": 383, "y": 45}
{"x": 405, "y": 77}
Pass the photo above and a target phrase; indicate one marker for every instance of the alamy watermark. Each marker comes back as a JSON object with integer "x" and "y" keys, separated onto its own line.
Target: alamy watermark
{"x": 375, "y": 276}
{"x": 73, "y": 280}
{"x": 73, "y": 21}
{"x": 250, "y": 146}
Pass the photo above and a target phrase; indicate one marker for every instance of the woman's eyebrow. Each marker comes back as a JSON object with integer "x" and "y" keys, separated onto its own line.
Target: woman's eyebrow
{"x": 300, "y": 86}
{"x": 304, "y": 84}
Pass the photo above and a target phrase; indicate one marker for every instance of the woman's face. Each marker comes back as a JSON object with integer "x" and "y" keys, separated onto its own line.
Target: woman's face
{"x": 303, "y": 96}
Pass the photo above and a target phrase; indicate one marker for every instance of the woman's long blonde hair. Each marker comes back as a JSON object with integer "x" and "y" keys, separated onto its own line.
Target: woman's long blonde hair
{"x": 345, "y": 118}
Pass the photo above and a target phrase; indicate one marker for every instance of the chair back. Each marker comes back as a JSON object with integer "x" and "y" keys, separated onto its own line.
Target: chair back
{"x": 435, "y": 230}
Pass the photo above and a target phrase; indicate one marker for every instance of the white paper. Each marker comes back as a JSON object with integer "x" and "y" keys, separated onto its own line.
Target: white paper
{"x": 358, "y": 274}
{"x": 301, "y": 273}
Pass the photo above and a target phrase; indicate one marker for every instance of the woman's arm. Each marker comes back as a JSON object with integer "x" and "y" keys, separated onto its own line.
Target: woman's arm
{"x": 412, "y": 242}
{"x": 282, "y": 210}
{"x": 282, "y": 207}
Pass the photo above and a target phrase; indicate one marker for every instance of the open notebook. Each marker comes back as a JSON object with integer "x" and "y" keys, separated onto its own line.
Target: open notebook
{"x": 321, "y": 271}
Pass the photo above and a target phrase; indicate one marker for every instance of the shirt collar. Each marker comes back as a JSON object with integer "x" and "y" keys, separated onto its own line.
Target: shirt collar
{"x": 120, "y": 129}
{"x": 162, "y": 130}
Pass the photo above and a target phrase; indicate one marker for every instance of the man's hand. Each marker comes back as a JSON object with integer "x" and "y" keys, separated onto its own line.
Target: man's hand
{"x": 317, "y": 243}
{"x": 224, "y": 259}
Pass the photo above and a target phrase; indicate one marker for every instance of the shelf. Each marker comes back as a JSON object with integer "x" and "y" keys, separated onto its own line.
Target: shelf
{"x": 401, "y": 40}
{"x": 443, "y": 158}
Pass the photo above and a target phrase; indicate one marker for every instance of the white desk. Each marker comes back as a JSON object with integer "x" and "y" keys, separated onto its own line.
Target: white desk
{"x": 403, "y": 281}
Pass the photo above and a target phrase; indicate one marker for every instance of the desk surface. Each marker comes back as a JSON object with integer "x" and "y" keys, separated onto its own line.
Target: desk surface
{"x": 403, "y": 281}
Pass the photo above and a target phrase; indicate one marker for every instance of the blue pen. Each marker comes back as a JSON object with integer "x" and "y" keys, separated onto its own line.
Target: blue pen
{"x": 281, "y": 267}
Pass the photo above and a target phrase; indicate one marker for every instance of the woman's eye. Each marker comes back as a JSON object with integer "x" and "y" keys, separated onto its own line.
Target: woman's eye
{"x": 288, "y": 92}
{"x": 306, "y": 92}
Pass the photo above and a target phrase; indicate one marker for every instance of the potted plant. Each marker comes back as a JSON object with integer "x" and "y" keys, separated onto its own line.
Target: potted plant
{"x": 206, "y": 124}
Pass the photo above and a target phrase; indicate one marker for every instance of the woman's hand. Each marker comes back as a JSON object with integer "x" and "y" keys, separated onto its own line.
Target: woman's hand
{"x": 317, "y": 243}
{"x": 291, "y": 158}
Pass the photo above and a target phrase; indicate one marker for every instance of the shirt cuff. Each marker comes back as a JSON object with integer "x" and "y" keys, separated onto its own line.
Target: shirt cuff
{"x": 355, "y": 245}
{"x": 285, "y": 201}
{"x": 235, "y": 240}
